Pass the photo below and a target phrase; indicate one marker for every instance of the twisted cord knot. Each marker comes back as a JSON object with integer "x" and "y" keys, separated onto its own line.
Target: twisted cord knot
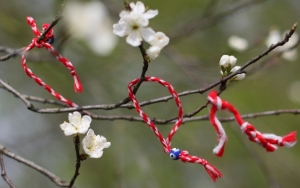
{"x": 266, "y": 140}
{"x": 38, "y": 44}
{"x": 46, "y": 41}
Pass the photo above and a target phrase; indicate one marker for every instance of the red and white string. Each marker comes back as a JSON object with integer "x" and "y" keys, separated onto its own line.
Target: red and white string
{"x": 266, "y": 140}
{"x": 183, "y": 155}
{"x": 44, "y": 43}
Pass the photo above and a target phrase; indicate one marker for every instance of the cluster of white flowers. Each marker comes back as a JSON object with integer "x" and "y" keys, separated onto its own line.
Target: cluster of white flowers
{"x": 227, "y": 64}
{"x": 93, "y": 145}
{"x": 275, "y": 36}
{"x": 133, "y": 24}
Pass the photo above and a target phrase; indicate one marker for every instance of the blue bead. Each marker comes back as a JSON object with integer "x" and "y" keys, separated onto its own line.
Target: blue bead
{"x": 174, "y": 153}
{"x": 51, "y": 40}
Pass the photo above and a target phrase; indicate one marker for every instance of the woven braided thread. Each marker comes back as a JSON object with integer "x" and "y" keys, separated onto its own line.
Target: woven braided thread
{"x": 266, "y": 140}
{"x": 182, "y": 155}
{"x": 44, "y": 43}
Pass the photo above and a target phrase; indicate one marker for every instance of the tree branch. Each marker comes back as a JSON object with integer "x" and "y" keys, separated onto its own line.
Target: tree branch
{"x": 3, "y": 172}
{"x": 10, "y": 53}
{"x": 34, "y": 166}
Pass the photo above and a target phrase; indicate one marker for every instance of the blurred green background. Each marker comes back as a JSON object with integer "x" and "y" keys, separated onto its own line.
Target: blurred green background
{"x": 135, "y": 158}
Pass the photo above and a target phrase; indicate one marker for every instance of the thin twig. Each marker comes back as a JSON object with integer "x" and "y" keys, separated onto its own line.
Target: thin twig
{"x": 10, "y": 52}
{"x": 199, "y": 118}
{"x": 146, "y": 61}
{"x": 3, "y": 172}
{"x": 16, "y": 93}
{"x": 53, "y": 23}
{"x": 43, "y": 100}
{"x": 78, "y": 161}
{"x": 34, "y": 166}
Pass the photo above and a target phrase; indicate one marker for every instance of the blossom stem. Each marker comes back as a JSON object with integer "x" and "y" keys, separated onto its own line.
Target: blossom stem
{"x": 142, "y": 77}
{"x": 76, "y": 141}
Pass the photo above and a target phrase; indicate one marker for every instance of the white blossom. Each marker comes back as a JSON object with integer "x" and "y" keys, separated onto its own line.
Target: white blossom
{"x": 159, "y": 41}
{"x": 93, "y": 145}
{"x": 76, "y": 124}
{"x": 153, "y": 52}
{"x": 237, "y": 43}
{"x": 91, "y": 23}
{"x": 237, "y": 77}
{"x": 133, "y": 24}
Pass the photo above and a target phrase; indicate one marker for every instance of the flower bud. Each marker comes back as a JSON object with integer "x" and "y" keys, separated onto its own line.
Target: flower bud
{"x": 237, "y": 77}
{"x": 153, "y": 52}
{"x": 226, "y": 64}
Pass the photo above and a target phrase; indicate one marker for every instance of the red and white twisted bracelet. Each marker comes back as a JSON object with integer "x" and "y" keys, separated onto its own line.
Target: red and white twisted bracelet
{"x": 46, "y": 42}
{"x": 174, "y": 153}
{"x": 266, "y": 140}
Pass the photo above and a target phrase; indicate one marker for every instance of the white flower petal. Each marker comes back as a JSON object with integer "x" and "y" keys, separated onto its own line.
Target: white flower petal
{"x": 147, "y": 34}
{"x": 124, "y": 13}
{"x": 100, "y": 141}
{"x": 96, "y": 154}
{"x": 133, "y": 39}
{"x": 107, "y": 144}
{"x": 75, "y": 118}
{"x": 85, "y": 124}
{"x": 232, "y": 60}
{"x": 120, "y": 29}
{"x": 234, "y": 69}
{"x": 68, "y": 128}
{"x": 238, "y": 76}
{"x": 139, "y": 7}
{"x": 224, "y": 61}
{"x": 160, "y": 40}
{"x": 153, "y": 52}
{"x": 93, "y": 145}
{"x": 150, "y": 14}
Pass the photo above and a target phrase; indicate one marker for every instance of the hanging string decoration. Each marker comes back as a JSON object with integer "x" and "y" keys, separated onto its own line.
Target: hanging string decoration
{"x": 266, "y": 140}
{"x": 46, "y": 43}
{"x": 174, "y": 153}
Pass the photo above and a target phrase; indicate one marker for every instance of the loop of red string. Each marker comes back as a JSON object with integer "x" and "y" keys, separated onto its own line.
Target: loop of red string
{"x": 266, "y": 140}
{"x": 45, "y": 42}
{"x": 174, "y": 153}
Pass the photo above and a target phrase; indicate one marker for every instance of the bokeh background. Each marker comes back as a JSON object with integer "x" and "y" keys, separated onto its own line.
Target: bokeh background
{"x": 106, "y": 64}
